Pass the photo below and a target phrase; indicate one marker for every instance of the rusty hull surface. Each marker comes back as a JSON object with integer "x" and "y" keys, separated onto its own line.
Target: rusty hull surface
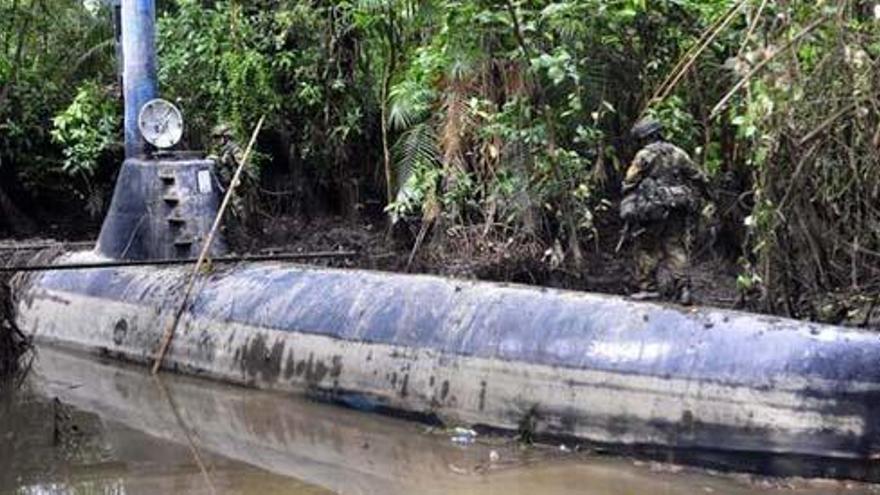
{"x": 598, "y": 368}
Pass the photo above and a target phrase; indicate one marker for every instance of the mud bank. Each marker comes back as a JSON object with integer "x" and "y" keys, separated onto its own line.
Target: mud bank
{"x": 14, "y": 345}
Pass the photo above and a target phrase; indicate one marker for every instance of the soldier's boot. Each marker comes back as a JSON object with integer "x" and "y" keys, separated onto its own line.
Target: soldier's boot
{"x": 672, "y": 270}
{"x": 647, "y": 260}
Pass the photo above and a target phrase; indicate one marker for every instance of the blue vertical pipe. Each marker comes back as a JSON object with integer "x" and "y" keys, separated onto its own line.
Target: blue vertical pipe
{"x": 139, "y": 74}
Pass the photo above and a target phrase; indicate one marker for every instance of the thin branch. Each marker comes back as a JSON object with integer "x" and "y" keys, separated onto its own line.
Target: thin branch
{"x": 517, "y": 30}
{"x": 759, "y": 67}
{"x": 827, "y": 123}
{"x": 751, "y": 31}
{"x": 685, "y": 64}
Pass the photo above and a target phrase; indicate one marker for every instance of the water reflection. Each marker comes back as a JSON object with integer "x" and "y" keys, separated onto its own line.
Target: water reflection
{"x": 50, "y": 447}
{"x": 115, "y": 429}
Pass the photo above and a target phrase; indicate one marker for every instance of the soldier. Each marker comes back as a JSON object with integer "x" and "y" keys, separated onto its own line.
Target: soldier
{"x": 229, "y": 156}
{"x": 663, "y": 197}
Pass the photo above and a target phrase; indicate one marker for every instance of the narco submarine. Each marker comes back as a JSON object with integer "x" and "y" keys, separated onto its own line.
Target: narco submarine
{"x": 635, "y": 376}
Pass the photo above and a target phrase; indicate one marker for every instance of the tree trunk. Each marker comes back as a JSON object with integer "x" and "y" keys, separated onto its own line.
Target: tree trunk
{"x": 386, "y": 147}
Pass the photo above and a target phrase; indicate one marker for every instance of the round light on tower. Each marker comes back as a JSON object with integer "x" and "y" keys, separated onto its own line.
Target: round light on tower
{"x": 161, "y": 123}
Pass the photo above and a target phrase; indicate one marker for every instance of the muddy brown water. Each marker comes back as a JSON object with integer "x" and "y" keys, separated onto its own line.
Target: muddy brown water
{"x": 83, "y": 425}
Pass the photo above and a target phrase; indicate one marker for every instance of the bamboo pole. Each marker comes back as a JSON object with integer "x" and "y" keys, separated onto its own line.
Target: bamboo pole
{"x": 172, "y": 326}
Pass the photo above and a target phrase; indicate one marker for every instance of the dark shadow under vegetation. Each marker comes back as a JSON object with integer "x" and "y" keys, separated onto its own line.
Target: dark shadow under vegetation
{"x": 15, "y": 346}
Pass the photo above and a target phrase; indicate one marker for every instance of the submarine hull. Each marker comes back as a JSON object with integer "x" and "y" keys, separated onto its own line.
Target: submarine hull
{"x": 603, "y": 369}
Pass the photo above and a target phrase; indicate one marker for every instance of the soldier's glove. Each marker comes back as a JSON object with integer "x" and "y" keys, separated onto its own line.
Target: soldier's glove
{"x": 709, "y": 212}
{"x": 629, "y": 209}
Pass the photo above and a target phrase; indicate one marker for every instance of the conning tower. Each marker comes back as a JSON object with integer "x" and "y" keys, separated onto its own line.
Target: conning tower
{"x": 165, "y": 201}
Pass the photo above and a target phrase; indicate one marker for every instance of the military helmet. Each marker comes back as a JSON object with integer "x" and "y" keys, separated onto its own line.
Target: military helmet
{"x": 646, "y": 128}
{"x": 221, "y": 130}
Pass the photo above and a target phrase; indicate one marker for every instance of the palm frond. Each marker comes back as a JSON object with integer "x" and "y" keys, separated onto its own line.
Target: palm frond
{"x": 416, "y": 147}
{"x": 410, "y": 104}
{"x": 106, "y": 47}
{"x": 568, "y": 19}
{"x": 595, "y": 80}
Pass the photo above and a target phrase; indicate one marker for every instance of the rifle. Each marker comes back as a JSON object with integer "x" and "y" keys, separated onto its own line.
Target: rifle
{"x": 624, "y": 233}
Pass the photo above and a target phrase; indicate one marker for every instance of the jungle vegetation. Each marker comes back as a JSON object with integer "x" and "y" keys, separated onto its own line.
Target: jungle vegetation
{"x": 495, "y": 122}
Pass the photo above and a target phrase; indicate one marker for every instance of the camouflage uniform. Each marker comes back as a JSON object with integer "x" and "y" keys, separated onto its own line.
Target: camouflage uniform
{"x": 229, "y": 154}
{"x": 663, "y": 199}
{"x": 229, "y": 157}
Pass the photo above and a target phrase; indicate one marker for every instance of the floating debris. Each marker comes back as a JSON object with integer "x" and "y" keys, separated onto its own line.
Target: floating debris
{"x": 463, "y": 436}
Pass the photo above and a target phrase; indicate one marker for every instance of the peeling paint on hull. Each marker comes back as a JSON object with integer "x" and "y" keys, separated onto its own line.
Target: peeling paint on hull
{"x": 594, "y": 367}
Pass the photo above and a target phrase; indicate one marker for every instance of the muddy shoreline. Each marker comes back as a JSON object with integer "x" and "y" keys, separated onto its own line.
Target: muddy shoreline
{"x": 14, "y": 344}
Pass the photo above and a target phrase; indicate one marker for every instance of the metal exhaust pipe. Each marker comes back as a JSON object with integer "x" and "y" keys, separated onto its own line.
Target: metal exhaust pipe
{"x": 139, "y": 72}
